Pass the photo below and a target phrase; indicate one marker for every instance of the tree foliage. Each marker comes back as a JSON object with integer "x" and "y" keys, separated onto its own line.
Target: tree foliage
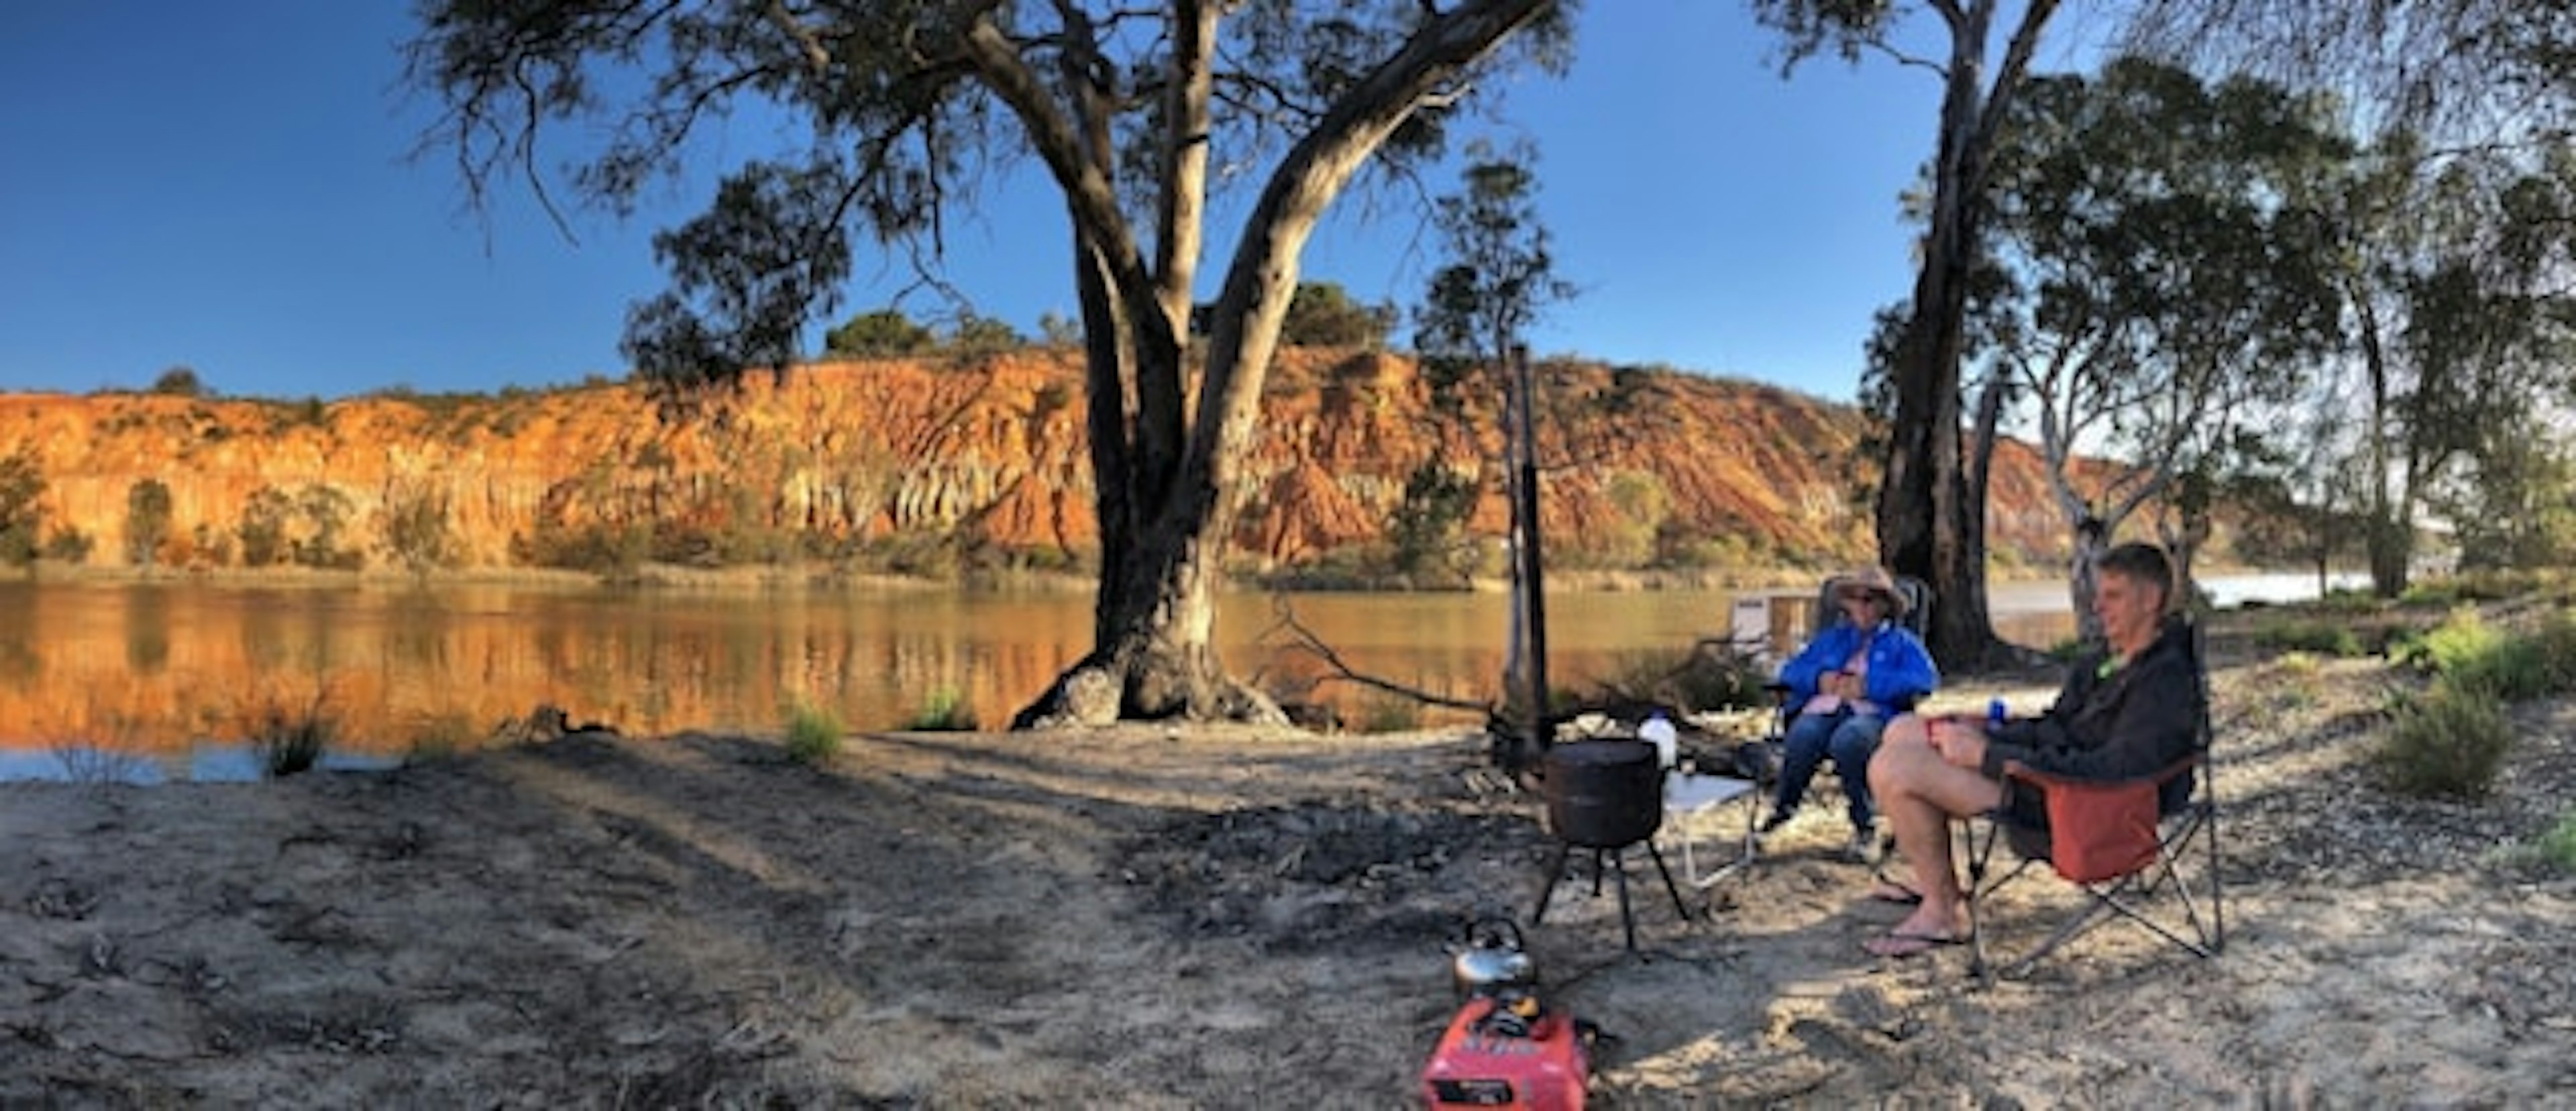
{"x": 147, "y": 521}
{"x": 2455, "y": 229}
{"x": 179, "y": 381}
{"x": 22, "y": 481}
{"x": 2167, "y": 251}
{"x": 1499, "y": 278}
{"x": 878, "y": 333}
{"x": 973, "y": 335}
{"x": 1428, "y": 528}
{"x": 416, "y": 527}
{"x": 1322, "y": 314}
{"x": 325, "y": 512}
{"x": 2459, "y": 68}
{"x": 263, "y": 527}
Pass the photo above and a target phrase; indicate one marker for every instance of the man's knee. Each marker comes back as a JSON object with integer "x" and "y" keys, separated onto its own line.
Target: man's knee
{"x": 1905, "y": 729}
{"x": 1896, "y": 768}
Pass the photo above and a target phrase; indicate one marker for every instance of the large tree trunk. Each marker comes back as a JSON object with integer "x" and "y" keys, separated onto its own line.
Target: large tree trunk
{"x": 1154, "y": 650}
{"x": 2387, "y": 540}
{"x": 1929, "y": 525}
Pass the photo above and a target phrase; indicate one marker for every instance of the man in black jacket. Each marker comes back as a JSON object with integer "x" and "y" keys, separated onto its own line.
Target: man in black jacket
{"x": 2125, "y": 711}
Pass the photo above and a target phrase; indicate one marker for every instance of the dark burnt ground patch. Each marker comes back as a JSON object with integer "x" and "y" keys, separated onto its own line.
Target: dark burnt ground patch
{"x": 1305, "y": 877}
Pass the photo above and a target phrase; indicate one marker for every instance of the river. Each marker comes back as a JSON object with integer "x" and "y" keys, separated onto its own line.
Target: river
{"x": 180, "y": 670}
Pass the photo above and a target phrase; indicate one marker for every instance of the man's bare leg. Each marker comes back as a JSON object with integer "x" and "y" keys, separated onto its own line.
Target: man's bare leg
{"x": 1920, "y": 792}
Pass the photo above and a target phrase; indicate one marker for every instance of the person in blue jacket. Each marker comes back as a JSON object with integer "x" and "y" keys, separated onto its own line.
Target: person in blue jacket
{"x": 1846, "y": 683}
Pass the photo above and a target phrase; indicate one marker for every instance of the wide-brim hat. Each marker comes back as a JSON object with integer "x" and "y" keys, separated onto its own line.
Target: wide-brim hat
{"x": 1877, "y": 581}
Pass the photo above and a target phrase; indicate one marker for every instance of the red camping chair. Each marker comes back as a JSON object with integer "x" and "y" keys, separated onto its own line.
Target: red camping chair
{"x": 2127, "y": 845}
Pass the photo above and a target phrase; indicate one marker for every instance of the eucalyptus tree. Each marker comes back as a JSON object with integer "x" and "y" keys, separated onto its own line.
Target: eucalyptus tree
{"x": 1499, "y": 280}
{"x": 2468, "y": 364}
{"x": 2472, "y": 68}
{"x": 2462, "y": 98}
{"x": 2168, "y": 248}
{"x": 1929, "y": 524}
{"x": 908, "y": 107}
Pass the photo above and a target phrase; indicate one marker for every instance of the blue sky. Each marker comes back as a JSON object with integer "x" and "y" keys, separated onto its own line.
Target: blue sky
{"x": 225, "y": 186}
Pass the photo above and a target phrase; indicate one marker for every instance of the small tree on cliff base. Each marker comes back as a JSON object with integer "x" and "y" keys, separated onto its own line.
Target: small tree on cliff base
{"x": 1130, "y": 108}
{"x": 147, "y": 521}
{"x": 22, "y": 481}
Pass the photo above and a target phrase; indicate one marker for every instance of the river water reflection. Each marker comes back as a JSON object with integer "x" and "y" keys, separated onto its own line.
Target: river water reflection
{"x": 161, "y": 668}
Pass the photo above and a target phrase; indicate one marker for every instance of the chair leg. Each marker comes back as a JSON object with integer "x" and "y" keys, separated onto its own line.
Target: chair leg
{"x": 2217, "y": 886}
{"x": 2083, "y": 920}
{"x": 1670, "y": 888}
{"x": 1974, "y": 896}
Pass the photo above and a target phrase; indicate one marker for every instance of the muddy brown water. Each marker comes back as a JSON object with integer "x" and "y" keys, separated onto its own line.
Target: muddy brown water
{"x": 175, "y": 673}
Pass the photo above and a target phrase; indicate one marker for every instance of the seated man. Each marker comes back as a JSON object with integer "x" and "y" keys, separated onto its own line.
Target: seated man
{"x": 2125, "y": 711}
{"x": 1846, "y": 682}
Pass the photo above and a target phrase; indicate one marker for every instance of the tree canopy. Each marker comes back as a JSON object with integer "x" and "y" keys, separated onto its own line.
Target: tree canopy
{"x": 2166, "y": 258}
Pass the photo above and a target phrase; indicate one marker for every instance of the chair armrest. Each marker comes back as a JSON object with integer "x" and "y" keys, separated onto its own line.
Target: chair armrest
{"x": 2052, "y": 781}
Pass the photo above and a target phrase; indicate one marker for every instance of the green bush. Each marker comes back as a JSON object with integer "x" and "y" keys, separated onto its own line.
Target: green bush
{"x": 2555, "y": 644}
{"x": 2320, "y": 636}
{"x": 2430, "y": 595}
{"x": 2495, "y": 585}
{"x": 813, "y": 733}
{"x": 944, "y": 711}
{"x": 2448, "y": 742}
{"x": 2300, "y": 675}
{"x": 2475, "y": 657}
{"x": 2345, "y": 600}
{"x": 2558, "y": 846}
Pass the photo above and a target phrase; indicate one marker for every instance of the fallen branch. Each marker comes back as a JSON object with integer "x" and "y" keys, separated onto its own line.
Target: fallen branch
{"x": 1303, "y": 639}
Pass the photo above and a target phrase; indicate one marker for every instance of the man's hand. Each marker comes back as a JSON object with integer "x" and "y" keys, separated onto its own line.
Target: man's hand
{"x": 1958, "y": 742}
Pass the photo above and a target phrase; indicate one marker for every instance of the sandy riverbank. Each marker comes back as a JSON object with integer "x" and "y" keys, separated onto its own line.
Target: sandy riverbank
{"x": 1203, "y": 918}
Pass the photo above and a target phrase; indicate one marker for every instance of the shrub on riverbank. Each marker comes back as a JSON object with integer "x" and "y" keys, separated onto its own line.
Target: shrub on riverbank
{"x": 2322, "y": 636}
{"x": 291, "y": 739}
{"x": 945, "y": 711}
{"x": 2452, "y": 738}
{"x": 813, "y": 733}
{"x": 2448, "y": 741}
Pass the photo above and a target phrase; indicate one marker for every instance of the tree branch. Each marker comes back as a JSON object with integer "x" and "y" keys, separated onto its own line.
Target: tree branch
{"x": 1304, "y": 640}
{"x": 1904, "y": 59}
{"x": 1090, "y": 196}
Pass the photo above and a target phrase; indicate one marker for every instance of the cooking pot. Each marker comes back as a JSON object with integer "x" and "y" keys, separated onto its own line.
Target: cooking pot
{"x": 1604, "y": 793}
{"x": 1489, "y": 959}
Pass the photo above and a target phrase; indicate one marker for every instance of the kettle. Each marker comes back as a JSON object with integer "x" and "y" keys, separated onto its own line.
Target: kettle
{"x": 1490, "y": 960}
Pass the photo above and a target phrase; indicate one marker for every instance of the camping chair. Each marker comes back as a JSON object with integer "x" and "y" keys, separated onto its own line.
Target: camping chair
{"x": 2125, "y": 844}
{"x": 1762, "y": 762}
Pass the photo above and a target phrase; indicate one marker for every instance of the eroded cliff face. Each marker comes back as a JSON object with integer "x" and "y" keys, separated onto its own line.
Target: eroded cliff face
{"x": 1635, "y": 462}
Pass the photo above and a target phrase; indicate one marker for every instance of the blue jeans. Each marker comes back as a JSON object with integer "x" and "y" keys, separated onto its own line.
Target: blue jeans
{"x": 1849, "y": 739}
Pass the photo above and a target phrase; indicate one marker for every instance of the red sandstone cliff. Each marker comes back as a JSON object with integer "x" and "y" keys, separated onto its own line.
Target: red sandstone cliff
{"x": 1637, "y": 462}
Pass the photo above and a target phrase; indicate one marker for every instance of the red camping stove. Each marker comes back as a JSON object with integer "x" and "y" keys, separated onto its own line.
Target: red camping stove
{"x": 1508, "y": 1050}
